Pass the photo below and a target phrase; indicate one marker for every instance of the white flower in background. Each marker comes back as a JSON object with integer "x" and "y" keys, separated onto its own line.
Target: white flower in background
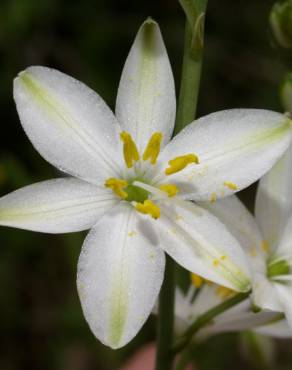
{"x": 189, "y": 306}
{"x": 131, "y": 186}
{"x": 267, "y": 238}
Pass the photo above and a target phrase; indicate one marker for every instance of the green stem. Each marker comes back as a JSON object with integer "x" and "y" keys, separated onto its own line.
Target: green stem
{"x": 205, "y": 318}
{"x": 164, "y": 357}
{"x": 189, "y": 89}
{"x": 192, "y": 62}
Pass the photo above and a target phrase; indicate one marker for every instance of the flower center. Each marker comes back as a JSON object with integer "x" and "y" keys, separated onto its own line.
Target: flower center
{"x": 137, "y": 191}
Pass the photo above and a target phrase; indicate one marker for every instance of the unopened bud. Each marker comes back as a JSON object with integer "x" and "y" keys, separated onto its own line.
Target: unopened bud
{"x": 281, "y": 23}
{"x": 286, "y": 93}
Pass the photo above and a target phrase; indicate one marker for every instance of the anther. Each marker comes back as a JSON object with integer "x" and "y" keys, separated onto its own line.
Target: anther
{"x": 179, "y": 163}
{"x": 153, "y": 148}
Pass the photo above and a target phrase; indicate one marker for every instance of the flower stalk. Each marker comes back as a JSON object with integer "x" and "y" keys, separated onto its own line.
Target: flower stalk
{"x": 192, "y": 62}
{"x": 187, "y": 105}
{"x": 164, "y": 357}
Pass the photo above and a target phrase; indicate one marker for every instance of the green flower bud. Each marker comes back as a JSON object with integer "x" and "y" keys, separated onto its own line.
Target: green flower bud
{"x": 281, "y": 23}
{"x": 286, "y": 93}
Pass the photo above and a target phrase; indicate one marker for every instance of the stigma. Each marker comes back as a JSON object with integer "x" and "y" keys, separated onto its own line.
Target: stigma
{"x": 134, "y": 189}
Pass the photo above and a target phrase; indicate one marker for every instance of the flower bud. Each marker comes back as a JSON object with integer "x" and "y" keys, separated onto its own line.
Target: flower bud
{"x": 281, "y": 23}
{"x": 286, "y": 93}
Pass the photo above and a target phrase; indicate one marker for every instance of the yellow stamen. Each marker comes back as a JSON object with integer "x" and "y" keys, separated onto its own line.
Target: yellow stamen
{"x": 253, "y": 251}
{"x": 224, "y": 292}
{"x": 153, "y": 148}
{"x": 230, "y": 185}
{"x": 213, "y": 197}
{"x": 149, "y": 208}
{"x": 117, "y": 186}
{"x": 131, "y": 153}
{"x": 197, "y": 280}
{"x": 265, "y": 246}
{"x": 179, "y": 163}
{"x": 170, "y": 189}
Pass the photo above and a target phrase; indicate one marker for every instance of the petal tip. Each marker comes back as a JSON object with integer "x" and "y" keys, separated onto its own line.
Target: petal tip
{"x": 150, "y": 21}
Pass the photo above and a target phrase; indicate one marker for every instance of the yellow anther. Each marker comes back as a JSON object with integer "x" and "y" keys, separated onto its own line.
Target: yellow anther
{"x": 253, "y": 251}
{"x": 179, "y": 163}
{"x": 117, "y": 186}
{"x": 153, "y": 148}
{"x": 224, "y": 292}
{"x": 197, "y": 280}
{"x": 213, "y": 197}
{"x": 170, "y": 189}
{"x": 148, "y": 208}
{"x": 216, "y": 262}
{"x": 131, "y": 153}
{"x": 230, "y": 185}
{"x": 265, "y": 246}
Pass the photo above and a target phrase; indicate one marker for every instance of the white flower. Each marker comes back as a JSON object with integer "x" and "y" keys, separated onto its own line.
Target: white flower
{"x": 130, "y": 185}
{"x": 193, "y": 304}
{"x": 267, "y": 238}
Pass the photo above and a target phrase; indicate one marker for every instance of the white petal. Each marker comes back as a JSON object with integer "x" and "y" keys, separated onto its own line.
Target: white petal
{"x": 240, "y": 222}
{"x": 285, "y": 297}
{"x": 201, "y": 243}
{"x": 146, "y": 95}
{"x": 120, "y": 273}
{"x": 285, "y": 247}
{"x": 55, "y": 206}
{"x": 188, "y": 309}
{"x": 264, "y": 294}
{"x": 274, "y": 199}
{"x": 278, "y": 329}
{"x": 227, "y": 322}
{"x": 235, "y": 148}
{"x": 68, "y": 123}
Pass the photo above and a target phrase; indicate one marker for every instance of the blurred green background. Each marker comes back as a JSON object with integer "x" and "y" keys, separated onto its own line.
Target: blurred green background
{"x": 42, "y": 326}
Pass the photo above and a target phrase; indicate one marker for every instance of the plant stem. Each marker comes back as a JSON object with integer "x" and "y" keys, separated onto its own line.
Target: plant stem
{"x": 164, "y": 357}
{"x": 192, "y": 62}
{"x": 205, "y": 318}
{"x": 189, "y": 89}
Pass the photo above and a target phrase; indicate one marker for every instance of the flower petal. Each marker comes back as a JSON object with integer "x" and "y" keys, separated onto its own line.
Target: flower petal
{"x": 285, "y": 297}
{"x": 234, "y": 147}
{"x": 68, "y": 123}
{"x": 264, "y": 294}
{"x": 240, "y": 222}
{"x": 146, "y": 95}
{"x": 274, "y": 200}
{"x": 239, "y": 321}
{"x": 285, "y": 247}
{"x": 120, "y": 272}
{"x": 55, "y": 206}
{"x": 278, "y": 329}
{"x": 201, "y": 243}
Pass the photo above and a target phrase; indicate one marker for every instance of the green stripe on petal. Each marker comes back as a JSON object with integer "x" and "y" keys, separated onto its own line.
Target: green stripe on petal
{"x": 146, "y": 97}
{"x": 118, "y": 312}
{"x": 120, "y": 272}
{"x": 55, "y": 206}
{"x": 68, "y": 123}
{"x": 202, "y": 244}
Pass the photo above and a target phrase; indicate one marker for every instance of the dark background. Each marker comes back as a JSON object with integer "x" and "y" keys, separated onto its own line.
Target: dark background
{"x": 42, "y": 326}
